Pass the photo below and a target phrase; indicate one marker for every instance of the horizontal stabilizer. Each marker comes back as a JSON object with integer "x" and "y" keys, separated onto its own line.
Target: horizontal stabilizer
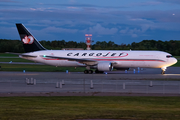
{"x": 13, "y": 53}
{"x": 28, "y": 56}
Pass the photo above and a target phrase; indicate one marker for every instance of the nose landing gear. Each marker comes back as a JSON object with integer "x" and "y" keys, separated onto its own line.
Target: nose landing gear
{"x": 163, "y": 70}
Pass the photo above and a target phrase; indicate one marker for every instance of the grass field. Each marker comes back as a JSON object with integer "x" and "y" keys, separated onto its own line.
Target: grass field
{"x": 38, "y": 68}
{"x": 7, "y": 55}
{"x": 72, "y": 108}
{"x": 14, "y": 60}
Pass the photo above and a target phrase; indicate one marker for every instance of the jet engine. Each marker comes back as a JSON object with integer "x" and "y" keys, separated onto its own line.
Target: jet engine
{"x": 104, "y": 66}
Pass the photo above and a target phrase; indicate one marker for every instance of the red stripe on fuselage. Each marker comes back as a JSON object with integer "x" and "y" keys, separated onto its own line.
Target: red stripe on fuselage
{"x": 129, "y": 60}
{"x": 51, "y": 59}
{"x": 115, "y": 59}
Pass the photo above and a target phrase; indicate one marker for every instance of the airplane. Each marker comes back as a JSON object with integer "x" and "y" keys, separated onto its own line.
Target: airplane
{"x": 100, "y": 60}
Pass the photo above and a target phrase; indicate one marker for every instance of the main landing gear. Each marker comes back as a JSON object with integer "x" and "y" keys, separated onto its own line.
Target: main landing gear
{"x": 163, "y": 70}
{"x": 88, "y": 72}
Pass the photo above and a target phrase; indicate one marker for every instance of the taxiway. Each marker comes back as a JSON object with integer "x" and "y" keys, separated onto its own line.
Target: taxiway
{"x": 146, "y": 81}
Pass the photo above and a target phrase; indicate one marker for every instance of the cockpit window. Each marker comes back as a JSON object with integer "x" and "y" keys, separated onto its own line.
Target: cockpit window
{"x": 169, "y": 56}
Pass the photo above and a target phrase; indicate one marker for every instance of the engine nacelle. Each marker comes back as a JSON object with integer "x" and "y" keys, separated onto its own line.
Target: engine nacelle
{"x": 105, "y": 66}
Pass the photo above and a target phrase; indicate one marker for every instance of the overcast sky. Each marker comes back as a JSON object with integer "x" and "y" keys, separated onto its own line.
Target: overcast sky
{"x": 121, "y": 21}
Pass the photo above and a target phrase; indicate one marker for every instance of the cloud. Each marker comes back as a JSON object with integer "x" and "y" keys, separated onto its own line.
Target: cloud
{"x": 170, "y": 1}
{"x": 9, "y": 1}
{"x": 134, "y": 35}
{"x": 149, "y": 3}
{"x": 9, "y": 33}
{"x": 124, "y": 31}
{"x": 66, "y": 18}
{"x": 70, "y": 5}
{"x": 132, "y": 23}
{"x": 99, "y": 30}
{"x": 52, "y": 33}
{"x": 133, "y": 32}
{"x": 59, "y": 30}
{"x": 166, "y": 26}
{"x": 132, "y": 19}
{"x": 60, "y": 23}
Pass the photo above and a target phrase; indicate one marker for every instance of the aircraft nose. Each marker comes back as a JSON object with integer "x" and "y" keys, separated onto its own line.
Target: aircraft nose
{"x": 174, "y": 61}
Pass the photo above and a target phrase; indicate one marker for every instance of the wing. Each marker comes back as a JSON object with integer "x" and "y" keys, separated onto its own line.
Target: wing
{"x": 84, "y": 61}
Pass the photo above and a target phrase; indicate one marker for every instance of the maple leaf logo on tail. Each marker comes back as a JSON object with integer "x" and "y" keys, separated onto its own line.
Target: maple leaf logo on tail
{"x": 28, "y": 40}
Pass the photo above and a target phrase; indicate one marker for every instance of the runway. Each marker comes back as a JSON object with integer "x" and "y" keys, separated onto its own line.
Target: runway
{"x": 146, "y": 81}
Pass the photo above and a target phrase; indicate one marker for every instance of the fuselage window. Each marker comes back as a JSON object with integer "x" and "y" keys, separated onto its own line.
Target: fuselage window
{"x": 169, "y": 56}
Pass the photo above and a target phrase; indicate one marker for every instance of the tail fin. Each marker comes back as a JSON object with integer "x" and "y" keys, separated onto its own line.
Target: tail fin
{"x": 30, "y": 43}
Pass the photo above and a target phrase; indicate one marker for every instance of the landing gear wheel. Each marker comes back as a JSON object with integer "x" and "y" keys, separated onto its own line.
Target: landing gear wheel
{"x": 90, "y": 72}
{"x": 96, "y": 71}
{"x": 86, "y": 72}
{"x": 163, "y": 72}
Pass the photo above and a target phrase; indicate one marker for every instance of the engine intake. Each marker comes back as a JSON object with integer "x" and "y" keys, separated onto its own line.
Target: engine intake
{"x": 105, "y": 66}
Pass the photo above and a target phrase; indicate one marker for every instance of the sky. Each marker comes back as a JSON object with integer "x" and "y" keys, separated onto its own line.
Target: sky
{"x": 120, "y": 21}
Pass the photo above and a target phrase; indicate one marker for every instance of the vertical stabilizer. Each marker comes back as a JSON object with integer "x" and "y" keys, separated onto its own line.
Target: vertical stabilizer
{"x": 30, "y": 43}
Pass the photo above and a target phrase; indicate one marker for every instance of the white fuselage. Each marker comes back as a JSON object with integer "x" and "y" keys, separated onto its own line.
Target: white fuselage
{"x": 120, "y": 58}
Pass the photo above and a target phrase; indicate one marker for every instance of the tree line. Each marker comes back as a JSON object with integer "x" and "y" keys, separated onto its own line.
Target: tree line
{"x": 172, "y": 46}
